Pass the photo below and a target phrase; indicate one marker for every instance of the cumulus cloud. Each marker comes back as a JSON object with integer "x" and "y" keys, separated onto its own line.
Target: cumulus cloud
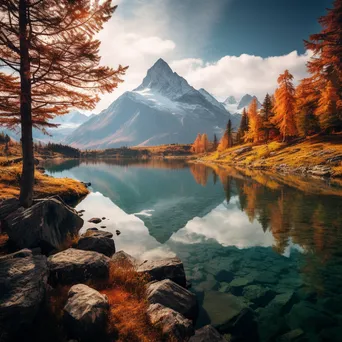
{"x": 238, "y": 75}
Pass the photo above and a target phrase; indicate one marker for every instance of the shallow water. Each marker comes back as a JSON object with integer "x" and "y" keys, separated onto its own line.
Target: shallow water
{"x": 268, "y": 242}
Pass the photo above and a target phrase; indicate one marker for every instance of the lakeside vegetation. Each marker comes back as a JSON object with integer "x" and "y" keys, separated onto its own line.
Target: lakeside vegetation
{"x": 44, "y": 185}
{"x": 312, "y": 111}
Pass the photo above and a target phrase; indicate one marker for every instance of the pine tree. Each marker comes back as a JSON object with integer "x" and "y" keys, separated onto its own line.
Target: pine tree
{"x": 326, "y": 67}
{"x": 243, "y": 126}
{"x": 254, "y": 122}
{"x": 285, "y": 102}
{"x": 230, "y": 133}
{"x": 266, "y": 114}
{"x": 215, "y": 143}
{"x": 227, "y": 138}
{"x": 51, "y": 49}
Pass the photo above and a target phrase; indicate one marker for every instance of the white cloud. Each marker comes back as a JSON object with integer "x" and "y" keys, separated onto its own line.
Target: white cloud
{"x": 238, "y": 75}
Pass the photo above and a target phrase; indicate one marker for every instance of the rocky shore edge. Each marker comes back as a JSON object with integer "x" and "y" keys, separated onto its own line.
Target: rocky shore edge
{"x": 46, "y": 253}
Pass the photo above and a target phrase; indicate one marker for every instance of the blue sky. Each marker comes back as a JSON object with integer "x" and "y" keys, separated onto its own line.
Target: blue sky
{"x": 228, "y": 47}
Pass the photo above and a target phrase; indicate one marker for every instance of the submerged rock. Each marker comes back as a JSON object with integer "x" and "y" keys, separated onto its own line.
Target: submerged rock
{"x": 86, "y": 313}
{"x": 171, "y": 295}
{"x": 258, "y": 294}
{"x": 171, "y": 323}
{"x": 23, "y": 280}
{"x": 296, "y": 335}
{"x": 170, "y": 268}
{"x": 95, "y": 220}
{"x": 47, "y": 224}
{"x": 97, "y": 241}
{"x": 76, "y": 266}
{"x": 230, "y": 315}
{"x": 206, "y": 334}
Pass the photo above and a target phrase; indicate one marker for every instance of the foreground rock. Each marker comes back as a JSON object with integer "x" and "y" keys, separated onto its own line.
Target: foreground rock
{"x": 47, "y": 224}
{"x": 23, "y": 279}
{"x": 74, "y": 266}
{"x": 123, "y": 259}
{"x": 171, "y": 323}
{"x": 170, "y": 268}
{"x": 171, "y": 295}
{"x": 85, "y": 313}
{"x": 97, "y": 241}
{"x": 95, "y": 220}
{"x": 207, "y": 333}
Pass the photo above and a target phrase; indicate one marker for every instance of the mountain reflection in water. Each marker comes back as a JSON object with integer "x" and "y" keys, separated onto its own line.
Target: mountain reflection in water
{"x": 259, "y": 231}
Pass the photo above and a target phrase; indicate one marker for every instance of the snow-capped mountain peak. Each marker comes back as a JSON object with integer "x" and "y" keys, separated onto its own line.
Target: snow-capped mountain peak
{"x": 230, "y": 100}
{"x": 161, "y": 79}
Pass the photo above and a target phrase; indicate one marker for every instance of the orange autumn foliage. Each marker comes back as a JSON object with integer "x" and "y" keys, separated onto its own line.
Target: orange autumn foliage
{"x": 285, "y": 105}
{"x": 254, "y": 122}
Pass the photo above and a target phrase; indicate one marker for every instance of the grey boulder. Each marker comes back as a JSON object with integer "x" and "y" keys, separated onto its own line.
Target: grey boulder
{"x": 171, "y": 295}
{"x": 97, "y": 241}
{"x": 74, "y": 266}
{"x": 123, "y": 259}
{"x": 170, "y": 268}
{"x": 86, "y": 313}
{"x": 23, "y": 281}
{"x": 47, "y": 224}
{"x": 171, "y": 323}
{"x": 207, "y": 333}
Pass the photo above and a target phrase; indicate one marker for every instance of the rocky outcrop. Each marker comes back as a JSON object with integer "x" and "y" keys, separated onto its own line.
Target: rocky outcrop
{"x": 23, "y": 279}
{"x": 74, "y": 266}
{"x": 97, "y": 241}
{"x": 174, "y": 296}
{"x": 46, "y": 224}
{"x": 123, "y": 259}
{"x": 85, "y": 313}
{"x": 206, "y": 334}
{"x": 171, "y": 323}
{"x": 171, "y": 268}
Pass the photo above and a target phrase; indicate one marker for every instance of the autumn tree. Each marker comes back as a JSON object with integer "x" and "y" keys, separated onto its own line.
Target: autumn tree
{"x": 204, "y": 143}
{"x": 266, "y": 114}
{"x": 196, "y": 146}
{"x": 227, "y": 138}
{"x": 285, "y": 106}
{"x": 243, "y": 126}
{"x": 52, "y": 64}
{"x": 326, "y": 67}
{"x": 307, "y": 98}
{"x": 254, "y": 122}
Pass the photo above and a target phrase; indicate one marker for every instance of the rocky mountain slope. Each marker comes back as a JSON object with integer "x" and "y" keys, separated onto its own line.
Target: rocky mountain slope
{"x": 164, "y": 109}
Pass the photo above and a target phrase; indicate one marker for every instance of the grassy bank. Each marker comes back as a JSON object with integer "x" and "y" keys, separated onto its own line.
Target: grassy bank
{"x": 319, "y": 155}
{"x": 10, "y": 171}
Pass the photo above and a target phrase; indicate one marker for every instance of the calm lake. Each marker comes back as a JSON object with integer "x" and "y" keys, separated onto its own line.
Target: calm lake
{"x": 269, "y": 242}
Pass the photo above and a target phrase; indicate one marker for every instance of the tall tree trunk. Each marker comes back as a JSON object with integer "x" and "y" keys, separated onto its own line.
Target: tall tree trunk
{"x": 27, "y": 177}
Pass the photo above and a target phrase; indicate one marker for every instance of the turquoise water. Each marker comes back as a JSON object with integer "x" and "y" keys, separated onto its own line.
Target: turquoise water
{"x": 266, "y": 242}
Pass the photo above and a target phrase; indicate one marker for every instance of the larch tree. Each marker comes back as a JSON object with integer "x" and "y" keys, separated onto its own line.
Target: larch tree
{"x": 254, "y": 122}
{"x": 196, "y": 146}
{"x": 327, "y": 109}
{"x": 307, "y": 98}
{"x": 326, "y": 64}
{"x": 285, "y": 106}
{"x": 52, "y": 64}
{"x": 204, "y": 143}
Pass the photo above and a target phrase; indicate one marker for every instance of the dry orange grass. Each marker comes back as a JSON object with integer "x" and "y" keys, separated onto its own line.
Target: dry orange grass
{"x": 126, "y": 293}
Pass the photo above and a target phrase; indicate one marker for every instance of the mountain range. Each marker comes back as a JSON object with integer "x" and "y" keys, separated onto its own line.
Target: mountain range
{"x": 164, "y": 109}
